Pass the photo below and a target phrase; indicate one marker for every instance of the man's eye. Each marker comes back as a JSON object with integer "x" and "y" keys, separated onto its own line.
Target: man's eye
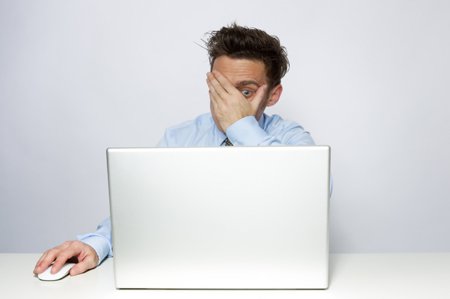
{"x": 246, "y": 93}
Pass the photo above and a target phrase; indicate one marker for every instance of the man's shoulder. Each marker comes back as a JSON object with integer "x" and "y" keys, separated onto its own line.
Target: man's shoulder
{"x": 288, "y": 131}
{"x": 203, "y": 121}
{"x": 189, "y": 133}
{"x": 274, "y": 122}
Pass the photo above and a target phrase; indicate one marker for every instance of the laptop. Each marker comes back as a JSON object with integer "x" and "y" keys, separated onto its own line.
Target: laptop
{"x": 220, "y": 217}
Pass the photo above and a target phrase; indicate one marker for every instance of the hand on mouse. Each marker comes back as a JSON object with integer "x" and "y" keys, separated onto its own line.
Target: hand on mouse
{"x": 86, "y": 258}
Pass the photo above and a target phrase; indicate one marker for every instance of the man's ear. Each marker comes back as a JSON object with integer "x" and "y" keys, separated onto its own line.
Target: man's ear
{"x": 275, "y": 95}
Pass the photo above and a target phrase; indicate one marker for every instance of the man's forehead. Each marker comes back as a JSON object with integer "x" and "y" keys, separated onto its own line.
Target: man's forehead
{"x": 241, "y": 71}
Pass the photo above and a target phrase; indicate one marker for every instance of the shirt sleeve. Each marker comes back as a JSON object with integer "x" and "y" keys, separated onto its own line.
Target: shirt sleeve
{"x": 100, "y": 240}
{"x": 247, "y": 132}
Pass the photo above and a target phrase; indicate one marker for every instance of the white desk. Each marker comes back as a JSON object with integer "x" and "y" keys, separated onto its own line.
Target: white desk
{"x": 361, "y": 276}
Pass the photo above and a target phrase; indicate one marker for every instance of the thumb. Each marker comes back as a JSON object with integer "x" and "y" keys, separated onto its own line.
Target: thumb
{"x": 81, "y": 267}
{"x": 261, "y": 94}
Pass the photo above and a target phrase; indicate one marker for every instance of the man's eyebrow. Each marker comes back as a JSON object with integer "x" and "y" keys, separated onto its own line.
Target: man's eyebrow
{"x": 247, "y": 82}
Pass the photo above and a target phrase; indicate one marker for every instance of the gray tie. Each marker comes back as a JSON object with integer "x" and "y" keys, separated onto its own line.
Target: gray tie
{"x": 226, "y": 142}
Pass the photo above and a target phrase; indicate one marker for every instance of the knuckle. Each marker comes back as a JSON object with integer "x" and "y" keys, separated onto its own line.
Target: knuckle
{"x": 64, "y": 255}
{"x": 49, "y": 254}
{"x": 91, "y": 251}
{"x": 70, "y": 243}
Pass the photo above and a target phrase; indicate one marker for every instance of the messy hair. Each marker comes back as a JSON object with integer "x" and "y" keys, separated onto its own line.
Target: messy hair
{"x": 249, "y": 43}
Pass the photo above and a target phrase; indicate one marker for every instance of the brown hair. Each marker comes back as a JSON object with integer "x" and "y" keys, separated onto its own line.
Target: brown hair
{"x": 250, "y": 43}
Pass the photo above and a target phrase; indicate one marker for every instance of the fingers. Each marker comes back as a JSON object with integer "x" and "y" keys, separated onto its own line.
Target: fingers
{"x": 38, "y": 266}
{"x": 73, "y": 250}
{"x": 39, "y": 262}
{"x": 220, "y": 87}
{"x": 48, "y": 258}
{"x": 216, "y": 91}
{"x": 215, "y": 114}
{"x": 218, "y": 83}
{"x": 213, "y": 94}
{"x": 217, "y": 94}
{"x": 85, "y": 254}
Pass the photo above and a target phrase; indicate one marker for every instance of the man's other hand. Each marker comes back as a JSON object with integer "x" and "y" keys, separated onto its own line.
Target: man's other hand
{"x": 84, "y": 256}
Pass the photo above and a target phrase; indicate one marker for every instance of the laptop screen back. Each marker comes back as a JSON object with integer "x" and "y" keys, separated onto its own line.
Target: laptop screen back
{"x": 220, "y": 218}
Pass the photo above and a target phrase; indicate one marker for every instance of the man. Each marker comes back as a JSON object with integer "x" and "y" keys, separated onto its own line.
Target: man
{"x": 247, "y": 65}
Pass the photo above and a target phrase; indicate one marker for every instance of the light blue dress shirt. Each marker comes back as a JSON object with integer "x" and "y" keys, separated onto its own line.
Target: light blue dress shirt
{"x": 202, "y": 131}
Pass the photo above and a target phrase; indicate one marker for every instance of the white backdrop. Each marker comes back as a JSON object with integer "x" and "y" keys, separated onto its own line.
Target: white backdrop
{"x": 369, "y": 78}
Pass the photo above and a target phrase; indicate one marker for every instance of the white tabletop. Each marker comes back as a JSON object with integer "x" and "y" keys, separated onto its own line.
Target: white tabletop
{"x": 361, "y": 276}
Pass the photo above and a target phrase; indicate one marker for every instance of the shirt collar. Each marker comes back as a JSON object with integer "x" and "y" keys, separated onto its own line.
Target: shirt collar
{"x": 262, "y": 121}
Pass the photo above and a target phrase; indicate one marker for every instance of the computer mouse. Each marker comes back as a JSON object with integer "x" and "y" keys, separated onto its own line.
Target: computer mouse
{"x": 47, "y": 275}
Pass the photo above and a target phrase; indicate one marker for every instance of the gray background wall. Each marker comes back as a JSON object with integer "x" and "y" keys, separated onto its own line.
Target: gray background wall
{"x": 369, "y": 78}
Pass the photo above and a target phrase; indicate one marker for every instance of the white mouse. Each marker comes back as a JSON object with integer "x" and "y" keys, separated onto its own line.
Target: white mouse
{"x": 46, "y": 275}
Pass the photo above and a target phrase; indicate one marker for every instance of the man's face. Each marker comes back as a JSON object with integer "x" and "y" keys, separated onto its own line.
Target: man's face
{"x": 246, "y": 75}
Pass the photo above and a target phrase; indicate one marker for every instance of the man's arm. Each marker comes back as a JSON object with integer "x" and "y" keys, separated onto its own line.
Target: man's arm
{"x": 247, "y": 132}
{"x": 100, "y": 240}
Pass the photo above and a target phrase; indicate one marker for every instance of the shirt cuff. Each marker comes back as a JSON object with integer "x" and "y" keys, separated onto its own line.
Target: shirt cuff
{"x": 246, "y": 131}
{"x": 100, "y": 244}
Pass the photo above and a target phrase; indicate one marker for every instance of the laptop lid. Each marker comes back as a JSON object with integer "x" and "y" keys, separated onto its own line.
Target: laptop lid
{"x": 220, "y": 218}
